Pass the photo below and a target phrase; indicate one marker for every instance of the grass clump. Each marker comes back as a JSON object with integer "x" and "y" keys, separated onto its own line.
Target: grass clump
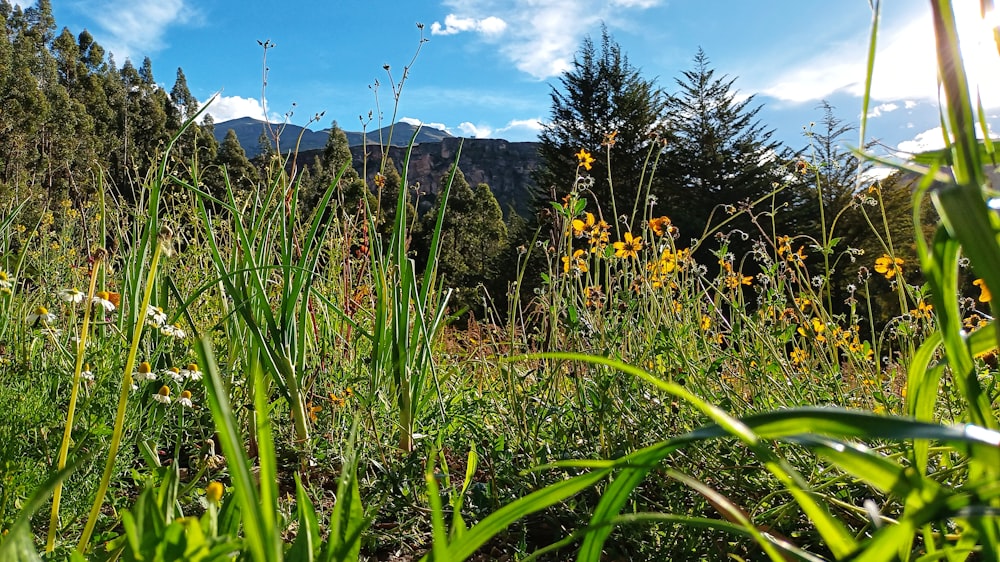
{"x": 278, "y": 392}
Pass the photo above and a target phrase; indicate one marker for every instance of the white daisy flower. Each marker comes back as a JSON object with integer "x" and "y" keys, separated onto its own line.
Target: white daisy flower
{"x": 144, "y": 373}
{"x": 5, "y": 283}
{"x": 87, "y": 374}
{"x": 192, "y": 372}
{"x": 155, "y": 316}
{"x": 41, "y": 315}
{"x": 174, "y": 373}
{"x": 163, "y": 396}
{"x": 74, "y": 295}
{"x": 102, "y": 298}
{"x": 173, "y": 330}
{"x": 185, "y": 399}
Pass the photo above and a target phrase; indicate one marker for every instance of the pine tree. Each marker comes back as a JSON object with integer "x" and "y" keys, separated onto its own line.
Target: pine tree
{"x": 335, "y": 156}
{"x": 91, "y": 53}
{"x": 604, "y": 104}
{"x": 181, "y": 96}
{"x": 825, "y": 167}
{"x": 388, "y": 196}
{"x": 717, "y": 157}
{"x": 243, "y": 175}
{"x": 473, "y": 236}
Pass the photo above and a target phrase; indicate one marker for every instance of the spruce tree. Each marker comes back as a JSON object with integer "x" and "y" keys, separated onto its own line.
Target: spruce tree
{"x": 473, "y": 236}
{"x": 243, "y": 176}
{"x": 181, "y": 96}
{"x": 335, "y": 156}
{"x": 603, "y": 103}
{"x": 717, "y": 158}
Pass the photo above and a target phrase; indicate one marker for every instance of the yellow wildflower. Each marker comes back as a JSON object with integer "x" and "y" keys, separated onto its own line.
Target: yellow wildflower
{"x": 313, "y": 410}
{"x": 817, "y": 329}
{"x": 889, "y": 266}
{"x": 583, "y": 226}
{"x": 5, "y": 283}
{"x": 584, "y": 158}
{"x": 214, "y": 491}
{"x": 798, "y": 356}
{"x": 594, "y": 296}
{"x": 576, "y": 262}
{"x": 734, "y": 280}
{"x": 629, "y": 247}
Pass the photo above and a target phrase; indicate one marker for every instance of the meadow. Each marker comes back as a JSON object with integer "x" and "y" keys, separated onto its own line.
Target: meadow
{"x": 195, "y": 376}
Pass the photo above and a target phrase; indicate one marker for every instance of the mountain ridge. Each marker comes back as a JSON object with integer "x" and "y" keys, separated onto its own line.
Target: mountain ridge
{"x": 503, "y": 165}
{"x": 248, "y": 132}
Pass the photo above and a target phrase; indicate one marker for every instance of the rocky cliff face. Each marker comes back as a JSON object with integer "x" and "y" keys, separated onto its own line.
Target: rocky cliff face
{"x": 505, "y": 166}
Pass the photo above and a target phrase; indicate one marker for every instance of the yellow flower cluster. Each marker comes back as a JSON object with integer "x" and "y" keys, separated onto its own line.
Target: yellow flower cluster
{"x": 889, "y": 266}
{"x": 784, "y": 247}
{"x": 596, "y": 231}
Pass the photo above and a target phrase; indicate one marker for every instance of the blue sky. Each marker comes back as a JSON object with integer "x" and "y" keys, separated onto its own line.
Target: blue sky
{"x": 487, "y": 66}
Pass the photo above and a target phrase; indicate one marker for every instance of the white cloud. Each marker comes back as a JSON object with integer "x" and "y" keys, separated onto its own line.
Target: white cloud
{"x": 881, "y": 109}
{"x": 905, "y": 64}
{"x": 540, "y": 36}
{"x": 909, "y": 104}
{"x": 225, "y": 108}
{"x": 137, "y": 27}
{"x": 516, "y": 129}
{"x": 475, "y": 131}
{"x": 635, "y": 3}
{"x": 523, "y": 127}
{"x": 419, "y": 123}
{"x": 931, "y": 139}
{"x": 876, "y": 173}
{"x": 453, "y": 24}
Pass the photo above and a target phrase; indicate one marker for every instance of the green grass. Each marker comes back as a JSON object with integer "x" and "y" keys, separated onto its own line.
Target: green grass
{"x": 643, "y": 405}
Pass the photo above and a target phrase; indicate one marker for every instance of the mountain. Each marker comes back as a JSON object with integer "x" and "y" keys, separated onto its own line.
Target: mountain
{"x": 505, "y": 166}
{"x": 248, "y": 132}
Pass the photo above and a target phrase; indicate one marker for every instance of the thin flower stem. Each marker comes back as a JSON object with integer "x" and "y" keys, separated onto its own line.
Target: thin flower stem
{"x": 80, "y": 352}
{"x": 116, "y": 437}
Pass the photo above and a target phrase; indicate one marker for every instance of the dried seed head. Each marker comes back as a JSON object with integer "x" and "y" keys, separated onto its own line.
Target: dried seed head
{"x": 165, "y": 237}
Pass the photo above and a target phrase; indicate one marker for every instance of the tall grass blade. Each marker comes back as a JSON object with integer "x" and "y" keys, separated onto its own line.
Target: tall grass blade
{"x": 261, "y": 535}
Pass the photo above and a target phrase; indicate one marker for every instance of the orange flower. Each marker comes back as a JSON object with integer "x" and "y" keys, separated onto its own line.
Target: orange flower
{"x": 889, "y": 266}
{"x": 661, "y": 226}
{"x": 984, "y": 295}
{"x": 313, "y": 410}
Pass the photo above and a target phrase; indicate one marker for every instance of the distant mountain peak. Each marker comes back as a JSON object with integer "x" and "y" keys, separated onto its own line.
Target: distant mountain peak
{"x": 248, "y": 131}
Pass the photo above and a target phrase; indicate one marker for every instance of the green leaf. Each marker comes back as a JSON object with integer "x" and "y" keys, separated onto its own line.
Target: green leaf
{"x": 260, "y": 536}
{"x": 18, "y": 546}
{"x": 307, "y": 538}
{"x": 464, "y": 546}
